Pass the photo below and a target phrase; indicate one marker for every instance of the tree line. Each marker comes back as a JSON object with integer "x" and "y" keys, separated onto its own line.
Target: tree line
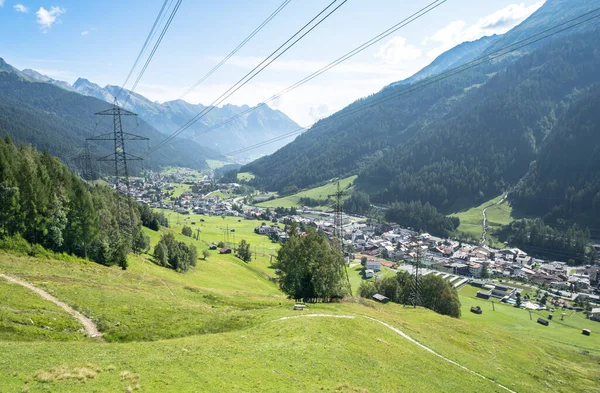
{"x": 421, "y": 216}
{"x": 435, "y": 293}
{"x": 45, "y": 204}
{"x": 544, "y": 241}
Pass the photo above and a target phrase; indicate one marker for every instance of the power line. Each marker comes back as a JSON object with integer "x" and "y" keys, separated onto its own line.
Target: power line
{"x": 334, "y": 63}
{"x": 237, "y": 48}
{"x": 154, "y": 49}
{"x": 259, "y": 68}
{"x": 437, "y": 78}
{"x": 148, "y": 39}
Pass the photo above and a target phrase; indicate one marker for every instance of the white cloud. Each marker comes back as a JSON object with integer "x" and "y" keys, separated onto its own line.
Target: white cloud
{"x": 396, "y": 51}
{"x": 47, "y": 18}
{"x": 1, "y": 3}
{"x": 21, "y": 8}
{"x": 499, "y": 22}
{"x": 320, "y": 111}
{"x": 88, "y": 31}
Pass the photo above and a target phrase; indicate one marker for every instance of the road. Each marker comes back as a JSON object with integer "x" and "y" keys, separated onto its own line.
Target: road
{"x": 484, "y": 224}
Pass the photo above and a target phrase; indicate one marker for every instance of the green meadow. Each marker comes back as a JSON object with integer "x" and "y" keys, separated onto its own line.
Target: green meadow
{"x": 321, "y": 192}
{"x": 497, "y": 215}
{"x": 224, "y": 326}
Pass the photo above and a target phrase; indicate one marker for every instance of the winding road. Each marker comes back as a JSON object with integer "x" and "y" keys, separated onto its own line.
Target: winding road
{"x": 90, "y": 327}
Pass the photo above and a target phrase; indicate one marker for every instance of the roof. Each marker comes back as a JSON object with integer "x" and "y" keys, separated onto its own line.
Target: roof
{"x": 380, "y": 297}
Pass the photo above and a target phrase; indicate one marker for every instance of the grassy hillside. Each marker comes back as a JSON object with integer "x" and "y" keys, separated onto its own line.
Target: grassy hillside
{"x": 245, "y": 176}
{"x": 314, "y": 193}
{"x": 471, "y": 219}
{"x": 224, "y": 326}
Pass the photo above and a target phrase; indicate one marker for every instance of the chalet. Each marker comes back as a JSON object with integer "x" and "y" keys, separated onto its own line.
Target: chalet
{"x": 212, "y": 246}
{"x": 595, "y": 314}
{"x": 369, "y": 273}
{"x": 225, "y": 250}
{"x": 374, "y": 265}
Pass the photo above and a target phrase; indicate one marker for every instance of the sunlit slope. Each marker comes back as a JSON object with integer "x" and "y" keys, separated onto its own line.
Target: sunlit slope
{"x": 254, "y": 346}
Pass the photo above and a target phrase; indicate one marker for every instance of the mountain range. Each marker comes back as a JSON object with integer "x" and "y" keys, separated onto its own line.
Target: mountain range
{"x": 243, "y": 127}
{"x": 57, "y": 120}
{"x": 458, "y": 139}
{"x": 245, "y": 130}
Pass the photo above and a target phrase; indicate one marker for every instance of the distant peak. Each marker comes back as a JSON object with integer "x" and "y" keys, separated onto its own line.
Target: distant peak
{"x": 82, "y": 82}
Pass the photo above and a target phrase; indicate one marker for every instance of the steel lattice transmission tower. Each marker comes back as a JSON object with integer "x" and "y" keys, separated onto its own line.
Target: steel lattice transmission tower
{"x": 338, "y": 225}
{"x": 120, "y": 157}
{"x": 415, "y": 297}
{"x": 84, "y": 162}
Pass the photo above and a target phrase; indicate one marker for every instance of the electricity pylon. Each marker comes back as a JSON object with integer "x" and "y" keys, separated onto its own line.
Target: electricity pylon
{"x": 120, "y": 156}
{"x": 338, "y": 224}
{"x": 415, "y": 296}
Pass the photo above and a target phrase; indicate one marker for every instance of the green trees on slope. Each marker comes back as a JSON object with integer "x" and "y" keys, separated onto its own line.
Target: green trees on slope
{"x": 421, "y": 217}
{"x": 436, "y": 293}
{"x": 44, "y": 203}
{"x": 174, "y": 254}
{"x": 310, "y": 268}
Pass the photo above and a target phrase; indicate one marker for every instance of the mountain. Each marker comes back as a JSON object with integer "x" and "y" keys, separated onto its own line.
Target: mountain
{"x": 35, "y": 76}
{"x": 455, "y": 57}
{"x": 58, "y": 121}
{"x": 563, "y": 183}
{"x": 249, "y": 129}
{"x": 456, "y": 141}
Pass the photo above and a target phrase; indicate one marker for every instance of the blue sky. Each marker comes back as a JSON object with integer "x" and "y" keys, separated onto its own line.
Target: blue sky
{"x": 99, "y": 40}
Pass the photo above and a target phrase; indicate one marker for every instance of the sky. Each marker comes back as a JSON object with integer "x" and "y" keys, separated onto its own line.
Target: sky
{"x": 99, "y": 40}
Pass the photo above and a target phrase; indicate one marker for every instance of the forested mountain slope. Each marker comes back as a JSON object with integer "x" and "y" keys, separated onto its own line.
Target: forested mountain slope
{"x": 458, "y": 140}
{"x": 489, "y": 140}
{"x": 563, "y": 184}
{"x": 58, "y": 121}
{"x": 457, "y": 56}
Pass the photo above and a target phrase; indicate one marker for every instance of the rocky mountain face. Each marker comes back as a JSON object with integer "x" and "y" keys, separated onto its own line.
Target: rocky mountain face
{"x": 247, "y": 129}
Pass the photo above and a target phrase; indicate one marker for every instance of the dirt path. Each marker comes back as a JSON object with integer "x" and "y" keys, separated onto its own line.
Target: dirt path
{"x": 89, "y": 326}
{"x": 407, "y": 337}
{"x": 484, "y": 224}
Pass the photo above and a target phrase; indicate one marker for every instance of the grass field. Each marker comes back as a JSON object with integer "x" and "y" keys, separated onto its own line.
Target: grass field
{"x": 216, "y": 164}
{"x": 219, "y": 328}
{"x": 245, "y": 176}
{"x": 471, "y": 219}
{"x": 178, "y": 189}
{"x": 315, "y": 193}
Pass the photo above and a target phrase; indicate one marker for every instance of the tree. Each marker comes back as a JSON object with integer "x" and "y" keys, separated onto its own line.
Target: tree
{"x": 174, "y": 254}
{"x": 186, "y": 231}
{"x": 363, "y": 261}
{"x": 243, "y": 251}
{"x": 205, "y": 254}
{"x": 141, "y": 242}
{"x": 161, "y": 254}
{"x": 311, "y": 268}
{"x": 436, "y": 294}
{"x": 221, "y": 245}
{"x": 484, "y": 271}
{"x": 385, "y": 254}
{"x": 518, "y": 296}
